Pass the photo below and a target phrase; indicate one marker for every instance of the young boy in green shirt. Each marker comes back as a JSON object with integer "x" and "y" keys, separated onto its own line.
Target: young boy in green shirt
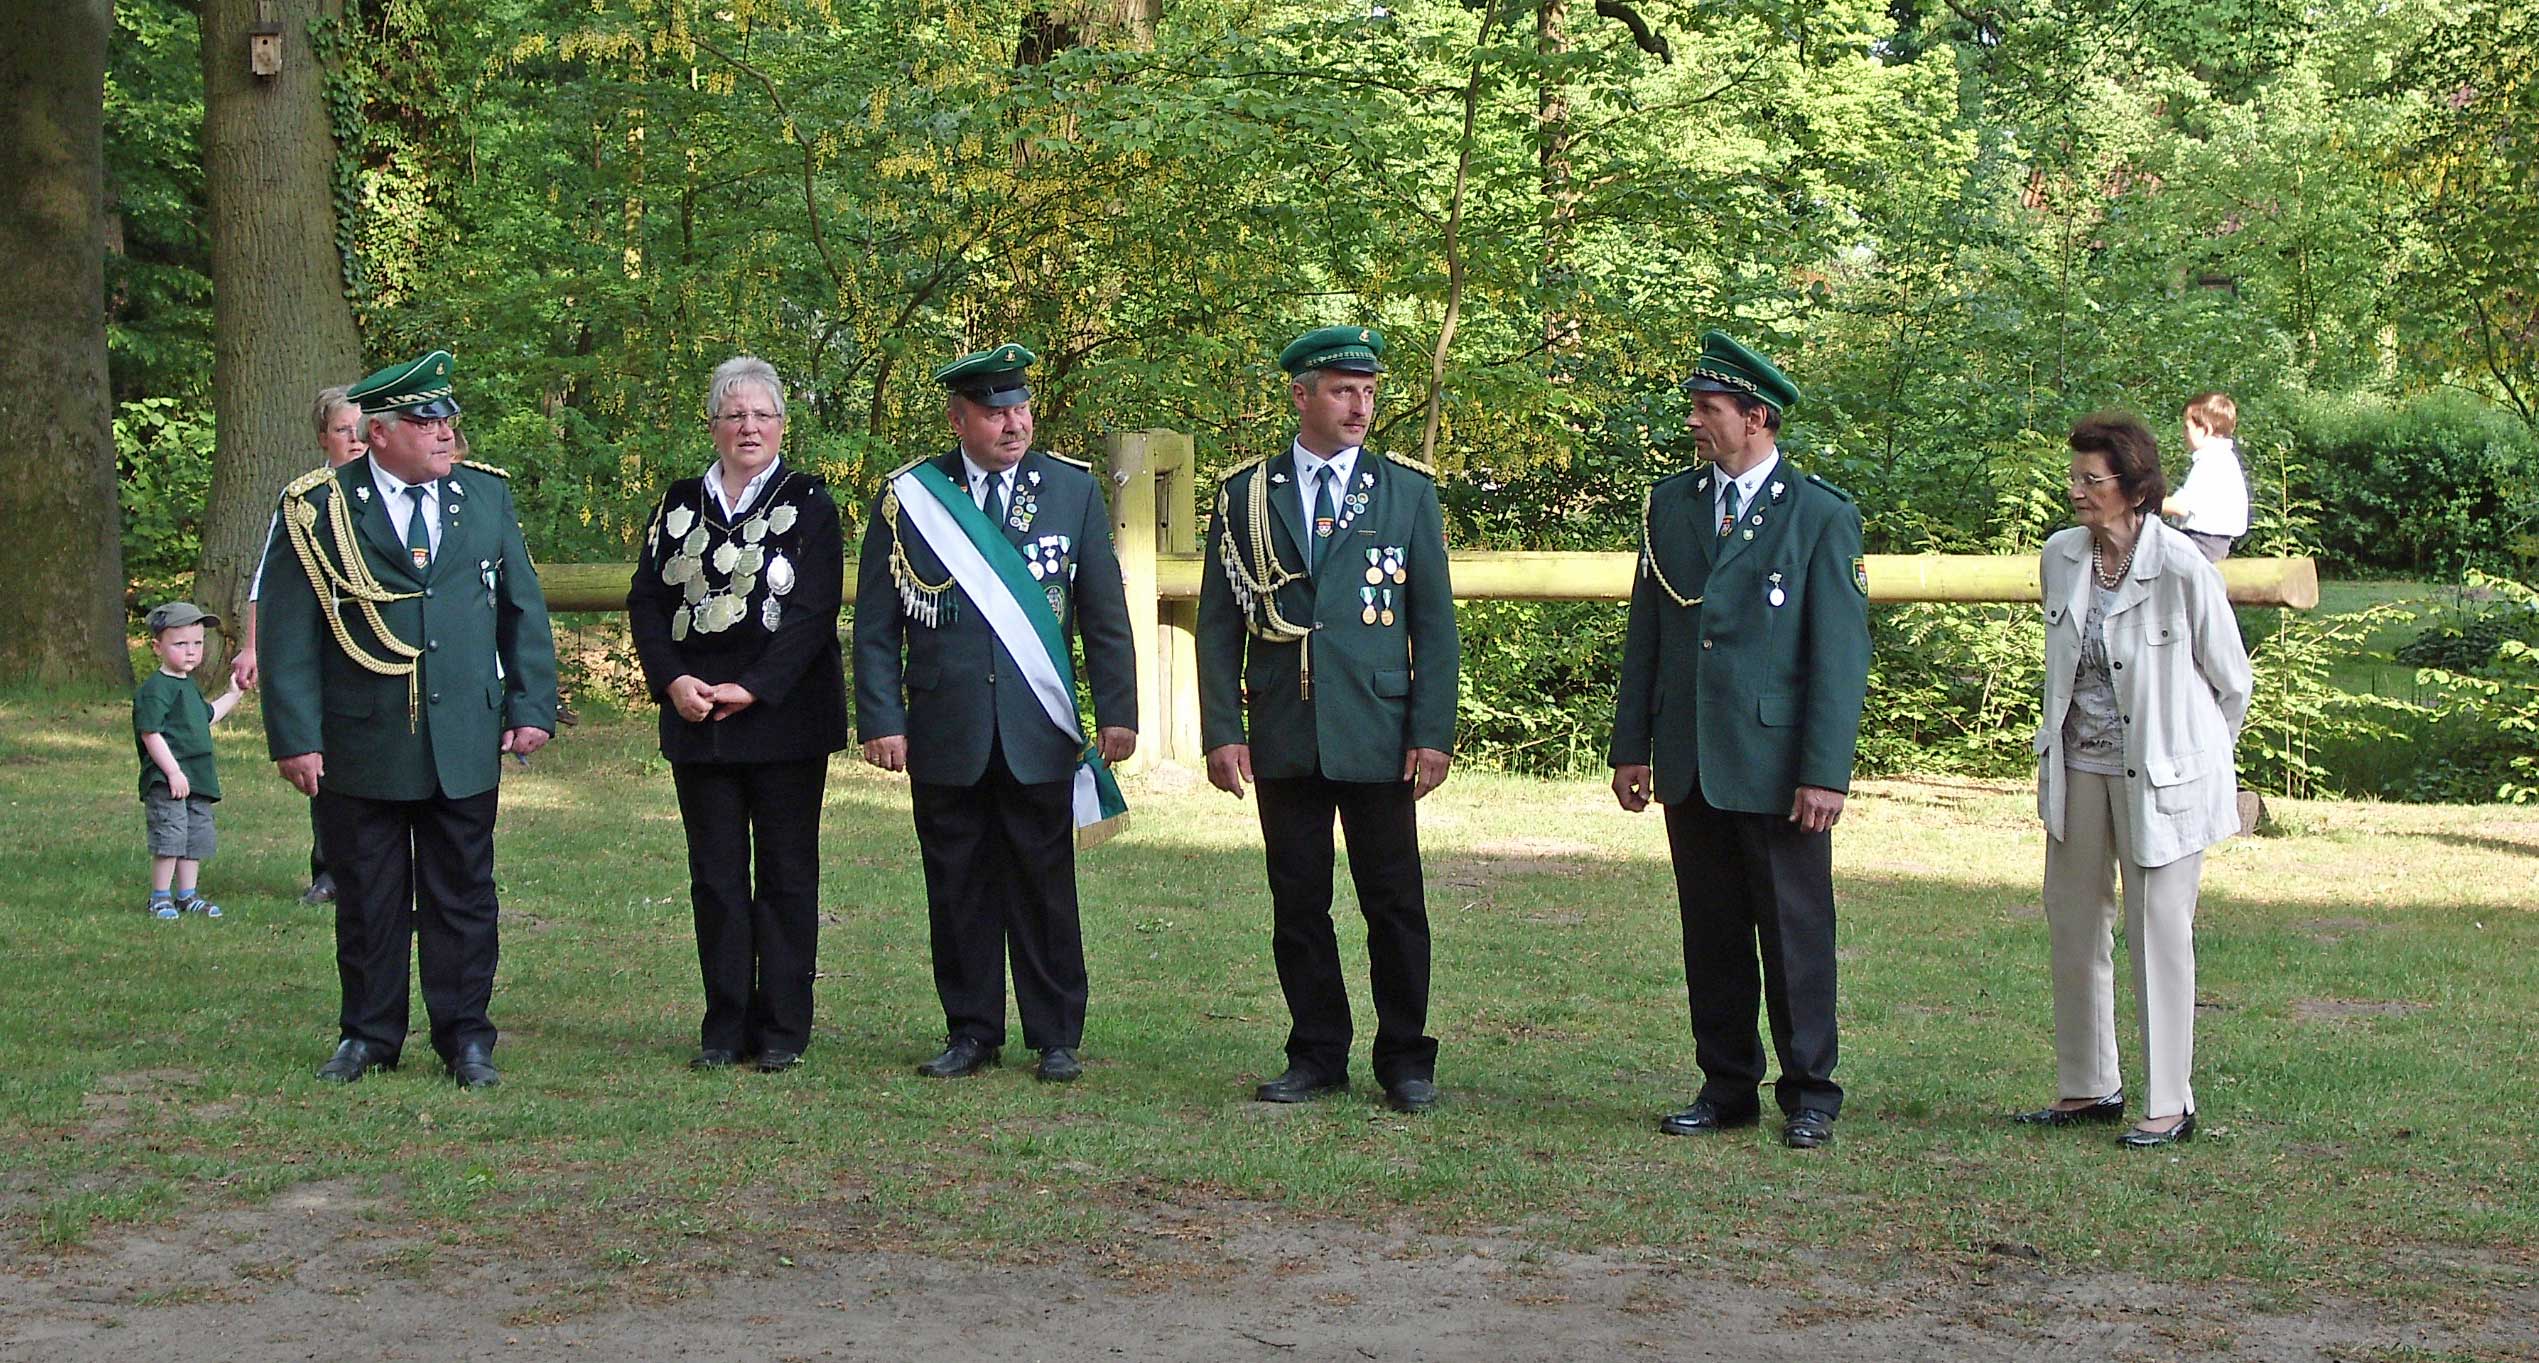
{"x": 172, "y": 730}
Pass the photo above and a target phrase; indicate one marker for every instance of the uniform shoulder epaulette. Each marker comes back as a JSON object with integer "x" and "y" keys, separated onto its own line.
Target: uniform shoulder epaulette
{"x": 1085, "y": 464}
{"x": 1245, "y": 467}
{"x": 485, "y": 468}
{"x": 894, "y": 473}
{"x": 309, "y": 481}
{"x": 1413, "y": 465}
{"x": 1829, "y": 487}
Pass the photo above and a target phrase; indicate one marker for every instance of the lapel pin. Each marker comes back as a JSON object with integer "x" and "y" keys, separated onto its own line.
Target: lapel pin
{"x": 363, "y": 493}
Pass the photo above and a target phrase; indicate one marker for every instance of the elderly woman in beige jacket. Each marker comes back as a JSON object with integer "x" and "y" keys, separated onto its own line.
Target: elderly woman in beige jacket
{"x": 2146, "y": 685}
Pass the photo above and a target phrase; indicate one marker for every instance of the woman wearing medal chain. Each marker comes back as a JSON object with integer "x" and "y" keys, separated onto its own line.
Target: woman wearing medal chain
{"x": 2146, "y": 686}
{"x": 734, "y": 608}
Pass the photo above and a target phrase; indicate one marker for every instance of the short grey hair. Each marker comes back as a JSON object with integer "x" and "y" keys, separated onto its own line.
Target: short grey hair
{"x": 739, "y": 370}
{"x": 329, "y": 400}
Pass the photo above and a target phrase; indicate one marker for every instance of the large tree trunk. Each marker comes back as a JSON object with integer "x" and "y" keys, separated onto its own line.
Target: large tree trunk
{"x": 281, "y": 326}
{"x": 61, "y": 541}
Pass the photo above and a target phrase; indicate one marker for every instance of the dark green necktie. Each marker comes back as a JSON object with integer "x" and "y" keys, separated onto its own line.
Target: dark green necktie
{"x": 1326, "y": 514}
{"x": 419, "y": 527}
{"x": 995, "y": 507}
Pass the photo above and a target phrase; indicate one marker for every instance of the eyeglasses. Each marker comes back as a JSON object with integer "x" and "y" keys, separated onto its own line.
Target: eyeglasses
{"x": 762, "y": 418}
{"x": 2087, "y": 481}
{"x": 425, "y": 423}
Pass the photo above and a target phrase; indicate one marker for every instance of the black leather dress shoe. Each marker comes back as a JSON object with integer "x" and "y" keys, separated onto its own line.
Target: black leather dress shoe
{"x": 2108, "y": 1109}
{"x": 714, "y": 1058}
{"x": 961, "y": 1055}
{"x": 777, "y": 1062}
{"x": 2140, "y": 1139}
{"x": 1410, "y": 1095}
{"x": 1705, "y": 1117}
{"x": 473, "y": 1067}
{"x": 352, "y": 1060}
{"x": 1300, "y": 1085}
{"x": 1807, "y": 1129}
{"x": 1058, "y": 1065}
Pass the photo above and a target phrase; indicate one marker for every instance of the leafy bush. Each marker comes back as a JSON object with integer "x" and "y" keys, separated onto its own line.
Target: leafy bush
{"x": 2486, "y": 714}
{"x": 163, "y": 458}
{"x": 2433, "y": 487}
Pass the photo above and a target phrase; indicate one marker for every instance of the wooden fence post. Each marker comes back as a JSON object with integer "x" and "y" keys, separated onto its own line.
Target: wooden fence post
{"x": 1127, "y": 458}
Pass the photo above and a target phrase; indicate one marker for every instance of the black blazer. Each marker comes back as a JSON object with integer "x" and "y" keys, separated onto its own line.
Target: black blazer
{"x": 701, "y": 604}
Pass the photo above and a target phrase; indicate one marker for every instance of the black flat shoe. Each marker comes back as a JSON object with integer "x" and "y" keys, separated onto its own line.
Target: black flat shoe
{"x": 1808, "y": 1129}
{"x": 352, "y": 1060}
{"x": 2108, "y": 1109}
{"x": 1058, "y": 1065}
{"x": 962, "y": 1055}
{"x": 473, "y": 1067}
{"x": 1410, "y": 1095}
{"x": 2140, "y": 1139}
{"x": 777, "y": 1062}
{"x": 1705, "y": 1117}
{"x": 1300, "y": 1085}
{"x": 714, "y": 1058}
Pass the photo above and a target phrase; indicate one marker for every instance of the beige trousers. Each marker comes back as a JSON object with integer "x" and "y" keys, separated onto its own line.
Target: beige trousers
{"x": 2081, "y": 871}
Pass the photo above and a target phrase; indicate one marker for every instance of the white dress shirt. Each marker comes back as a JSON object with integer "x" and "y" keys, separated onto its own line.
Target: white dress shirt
{"x": 1343, "y": 463}
{"x": 732, "y": 506}
{"x": 1746, "y": 484}
{"x": 2214, "y": 498}
{"x": 392, "y": 490}
{"x": 980, "y": 478}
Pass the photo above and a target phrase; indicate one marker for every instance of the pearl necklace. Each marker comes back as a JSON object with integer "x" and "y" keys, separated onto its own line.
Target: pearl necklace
{"x": 2122, "y": 569}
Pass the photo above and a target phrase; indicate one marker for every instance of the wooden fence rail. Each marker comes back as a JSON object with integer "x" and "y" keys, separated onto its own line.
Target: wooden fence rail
{"x": 1154, "y": 516}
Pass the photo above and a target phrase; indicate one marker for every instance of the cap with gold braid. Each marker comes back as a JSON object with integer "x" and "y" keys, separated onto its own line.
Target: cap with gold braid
{"x": 419, "y": 388}
{"x": 1351, "y": 350}
{"x": 1727, "y": 367}
{"x": 990, "y": 378}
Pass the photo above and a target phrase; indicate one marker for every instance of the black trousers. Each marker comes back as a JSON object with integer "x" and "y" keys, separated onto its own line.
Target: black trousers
{"x": 758, "y": 949}
{"x": 1001, "y": 878}
{"x": 317, "y": 846}
{"x": 1748, "y": 884}
{"x": 1382, "y": 826}
{"x": 419, "y": 871}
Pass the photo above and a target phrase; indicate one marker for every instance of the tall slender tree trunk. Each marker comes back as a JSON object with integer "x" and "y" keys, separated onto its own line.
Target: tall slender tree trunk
{"x": 281, "y": 326}
{"x": 1560, "y": 193}
{"x": 61, "y": 538}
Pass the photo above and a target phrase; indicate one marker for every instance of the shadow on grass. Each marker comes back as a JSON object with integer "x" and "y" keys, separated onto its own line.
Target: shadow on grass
{"x": 155, "y": 1067}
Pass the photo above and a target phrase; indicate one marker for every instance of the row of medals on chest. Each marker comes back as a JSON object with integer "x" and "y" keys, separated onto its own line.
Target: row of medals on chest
{"x": 1384, "y": 563}
{"x": 1775, "y": 596}
{"x": 743, "y": 559}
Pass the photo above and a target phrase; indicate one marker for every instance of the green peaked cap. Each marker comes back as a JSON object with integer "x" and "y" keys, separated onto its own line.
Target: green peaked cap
{"x": 1727, "y": 367}
{"x": 1351, "y": 350}
{"x": 416, "y": 388}
{"x": 990, "y": 378}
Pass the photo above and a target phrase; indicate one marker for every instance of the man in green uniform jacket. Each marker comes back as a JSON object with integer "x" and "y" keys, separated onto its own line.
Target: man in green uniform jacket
{"x": 1742, "y": 681}
{"x": 405, "y": 648}
{"x": 940, "y": 695}
{"x": 1327, "y": 664}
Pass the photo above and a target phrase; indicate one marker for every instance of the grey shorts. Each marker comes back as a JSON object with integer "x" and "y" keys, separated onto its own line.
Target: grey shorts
{"x": 2215, "y": 547}
{"x": 179, "y": 828}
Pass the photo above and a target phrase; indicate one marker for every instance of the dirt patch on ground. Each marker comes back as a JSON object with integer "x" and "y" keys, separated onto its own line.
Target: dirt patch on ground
{"x": 2341, "y": 1010}
{"x": 324, "y": 1272}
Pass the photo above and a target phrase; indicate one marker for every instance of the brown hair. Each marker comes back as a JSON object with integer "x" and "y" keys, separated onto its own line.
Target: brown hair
{"x": 2132, "y": 454}
{"x": 2214, "y": 412}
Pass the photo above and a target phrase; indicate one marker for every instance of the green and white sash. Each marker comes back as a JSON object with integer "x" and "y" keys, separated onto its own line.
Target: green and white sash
{"x": 992, "y": 573}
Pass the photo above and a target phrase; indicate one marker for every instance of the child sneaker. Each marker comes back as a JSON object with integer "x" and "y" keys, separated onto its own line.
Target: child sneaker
{"x": 200, "y": 905}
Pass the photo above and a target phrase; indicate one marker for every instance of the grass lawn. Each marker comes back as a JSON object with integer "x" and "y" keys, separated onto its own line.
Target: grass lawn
{"x": 2364, "y": 1069}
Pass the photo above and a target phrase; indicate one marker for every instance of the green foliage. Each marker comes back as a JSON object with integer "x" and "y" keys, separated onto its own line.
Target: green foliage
{"x": 2484, "y": 710}
{"x": 163, "y": 458}
{"x": 2429, "y": 487}
{"x": 2296, "y": 712}
{"x": 1953, "y": 689}
{"x": 158, "y": 261}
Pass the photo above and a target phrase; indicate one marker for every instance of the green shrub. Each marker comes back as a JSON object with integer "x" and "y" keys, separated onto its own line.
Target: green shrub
{"x": 2435, "y": 486}
{"x": 163, "y": 458}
